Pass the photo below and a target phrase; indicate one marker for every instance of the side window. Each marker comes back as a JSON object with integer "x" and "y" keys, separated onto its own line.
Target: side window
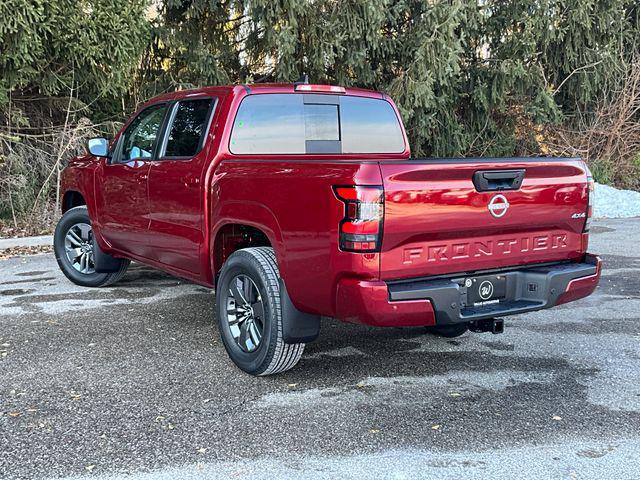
{"x": 188, "y": 128}
{"x": 139, "y": 138}
{"x": 315, "y": 124}
{"x": 269, "y": 124}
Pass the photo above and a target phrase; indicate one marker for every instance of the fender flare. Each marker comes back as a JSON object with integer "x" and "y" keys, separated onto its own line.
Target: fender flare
{"x": 252, "y": 214}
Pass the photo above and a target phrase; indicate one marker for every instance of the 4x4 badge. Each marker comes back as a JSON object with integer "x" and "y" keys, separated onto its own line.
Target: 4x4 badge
{"x": 498, "y": 206}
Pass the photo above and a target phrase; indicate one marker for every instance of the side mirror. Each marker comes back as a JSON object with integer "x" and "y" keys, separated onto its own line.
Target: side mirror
{"x": 98, "y": 147}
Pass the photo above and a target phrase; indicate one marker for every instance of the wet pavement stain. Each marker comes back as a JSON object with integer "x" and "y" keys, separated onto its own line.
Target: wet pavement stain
{"x": 589, "y": 326}
{"x": 507, "y": 347}
{"x": 600, "y": 229}
{"x": 32, "y": 274}
{"x": 16, "y": 282}
{"x": 612, "y": 262}
{"x": 15, "y": 292}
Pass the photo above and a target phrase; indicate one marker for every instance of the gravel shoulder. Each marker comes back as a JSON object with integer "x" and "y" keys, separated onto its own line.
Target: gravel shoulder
{"x": 132, "y": 381}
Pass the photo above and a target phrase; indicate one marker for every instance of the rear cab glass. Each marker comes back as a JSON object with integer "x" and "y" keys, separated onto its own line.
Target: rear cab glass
{"x": 285, "y": 123}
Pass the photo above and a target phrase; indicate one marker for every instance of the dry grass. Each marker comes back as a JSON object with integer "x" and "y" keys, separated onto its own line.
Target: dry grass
{"x": 22, "y": 251}
{"x": 37, "y": 138}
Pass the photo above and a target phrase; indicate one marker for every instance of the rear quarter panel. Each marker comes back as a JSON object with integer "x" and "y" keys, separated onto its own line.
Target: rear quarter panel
{"x": 294, "y": 203}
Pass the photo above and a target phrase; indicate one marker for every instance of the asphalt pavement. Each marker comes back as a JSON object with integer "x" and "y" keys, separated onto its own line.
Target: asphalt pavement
{"x": 132, "y": 381}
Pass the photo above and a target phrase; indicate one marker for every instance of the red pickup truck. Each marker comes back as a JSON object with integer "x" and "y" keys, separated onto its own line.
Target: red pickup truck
{"x": 301, "y": 201}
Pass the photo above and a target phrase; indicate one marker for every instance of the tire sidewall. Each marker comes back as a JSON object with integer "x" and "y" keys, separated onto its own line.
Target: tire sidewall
{"x": 257, "y": 361}
{"x": 70, "y": 218}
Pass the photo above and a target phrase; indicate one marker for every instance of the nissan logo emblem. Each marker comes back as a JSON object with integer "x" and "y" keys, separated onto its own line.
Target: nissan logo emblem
{"x": 498, "y": 206}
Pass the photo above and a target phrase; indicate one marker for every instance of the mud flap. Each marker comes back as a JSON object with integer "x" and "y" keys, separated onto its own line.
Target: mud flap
{"x": 297, "y": 326}
{"x": 103, "y": 262}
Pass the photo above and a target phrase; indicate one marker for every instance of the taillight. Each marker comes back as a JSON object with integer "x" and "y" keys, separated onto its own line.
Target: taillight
{"x": 591, "y": 193}
{"x": 361, "y": 227}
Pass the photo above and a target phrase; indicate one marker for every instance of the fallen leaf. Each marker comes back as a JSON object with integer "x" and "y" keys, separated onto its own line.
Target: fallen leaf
{"x": 292, "y": 385}
{"x": 89, "y": 467}
{"x": 557, "y": 418}
{"x": 455, "y": 394}
{"x": 14, "y": 414}
{"x": 435, "y": 427}
{"x": 202, "y": 450}
{"x": 374, "y": 430}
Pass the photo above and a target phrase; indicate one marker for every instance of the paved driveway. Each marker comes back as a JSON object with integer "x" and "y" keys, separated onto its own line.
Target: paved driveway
{"x": 133, "y": 379}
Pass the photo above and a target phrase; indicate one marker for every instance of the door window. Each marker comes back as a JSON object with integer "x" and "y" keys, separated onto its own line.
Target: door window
{"x": 139, "y": 139}
{"x": 188, "y": 128}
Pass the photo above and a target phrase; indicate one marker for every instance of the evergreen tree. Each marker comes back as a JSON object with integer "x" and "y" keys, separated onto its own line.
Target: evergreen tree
{"x": 49, "y": 47}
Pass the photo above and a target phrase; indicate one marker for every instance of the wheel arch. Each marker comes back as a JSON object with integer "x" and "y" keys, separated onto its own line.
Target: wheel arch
{"x": 244, "y": 217}
{"x": 71, "y": 199}
{"x": 232, "y": 236}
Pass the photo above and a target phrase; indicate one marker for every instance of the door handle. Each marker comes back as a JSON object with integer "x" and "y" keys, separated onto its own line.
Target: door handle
{"x": 190, "y": 181}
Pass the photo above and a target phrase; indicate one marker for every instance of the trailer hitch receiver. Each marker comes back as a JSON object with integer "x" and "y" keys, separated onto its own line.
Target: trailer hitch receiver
{"x": 493, "y": 325}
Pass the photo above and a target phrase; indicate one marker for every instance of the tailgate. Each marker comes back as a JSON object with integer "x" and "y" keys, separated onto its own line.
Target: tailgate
{"x": 437, "y": 222}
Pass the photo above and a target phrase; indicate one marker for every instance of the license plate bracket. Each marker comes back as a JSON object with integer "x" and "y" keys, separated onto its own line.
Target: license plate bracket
{"x": 485, "y": 289}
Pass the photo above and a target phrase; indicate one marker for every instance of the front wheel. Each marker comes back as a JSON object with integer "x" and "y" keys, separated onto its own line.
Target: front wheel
{"x": 250, "y": 314}
{"x": 73, "y": 246}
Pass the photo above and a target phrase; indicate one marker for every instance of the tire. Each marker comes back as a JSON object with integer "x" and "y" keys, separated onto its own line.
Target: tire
{"x": 74, "y": 230}
{"x": 255, "y": 344}
{"x": 449, "y": 331}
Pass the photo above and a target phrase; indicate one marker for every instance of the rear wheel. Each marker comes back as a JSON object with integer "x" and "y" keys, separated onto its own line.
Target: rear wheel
{"x": 73, "y": 246}
{"x": 449, "y": 331}
{"x": 250, "y": 315}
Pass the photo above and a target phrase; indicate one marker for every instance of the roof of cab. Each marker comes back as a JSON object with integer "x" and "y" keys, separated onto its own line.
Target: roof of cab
{"x": 257, "y": 88}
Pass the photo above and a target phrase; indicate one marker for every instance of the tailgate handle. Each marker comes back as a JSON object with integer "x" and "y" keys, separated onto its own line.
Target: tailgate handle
{"x": 495, "y": 180}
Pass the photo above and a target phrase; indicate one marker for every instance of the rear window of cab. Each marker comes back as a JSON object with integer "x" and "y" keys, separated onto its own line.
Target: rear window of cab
{"x": 285, "y": 123}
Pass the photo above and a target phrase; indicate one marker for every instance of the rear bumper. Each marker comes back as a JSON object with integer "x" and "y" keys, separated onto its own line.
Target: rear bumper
{"x": 443, "y": 301}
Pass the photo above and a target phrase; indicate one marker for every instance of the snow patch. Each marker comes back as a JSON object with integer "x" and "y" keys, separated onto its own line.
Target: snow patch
{"x": 611, "y": 202}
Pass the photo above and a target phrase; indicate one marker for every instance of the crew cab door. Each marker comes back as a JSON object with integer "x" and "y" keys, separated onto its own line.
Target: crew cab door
{"x": 122, "y": 196}
{"x": 176, "y": 182}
